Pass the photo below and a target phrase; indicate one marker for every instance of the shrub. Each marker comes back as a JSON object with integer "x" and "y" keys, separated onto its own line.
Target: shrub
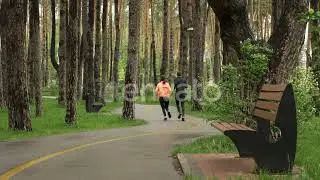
{"x": 306, "y": 93}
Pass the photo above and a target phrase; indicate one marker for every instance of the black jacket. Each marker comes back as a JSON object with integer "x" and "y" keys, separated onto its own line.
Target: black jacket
{"x": 180, "y": 84}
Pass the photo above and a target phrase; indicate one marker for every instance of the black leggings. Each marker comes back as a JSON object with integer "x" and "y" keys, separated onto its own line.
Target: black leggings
{"x": 164, "y": 103}
{"x": 182, "y": 107}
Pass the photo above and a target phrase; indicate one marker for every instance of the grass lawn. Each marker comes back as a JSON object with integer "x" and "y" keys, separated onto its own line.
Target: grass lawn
{"x": 52, "y": 121}
{"x": 308, "y": 152}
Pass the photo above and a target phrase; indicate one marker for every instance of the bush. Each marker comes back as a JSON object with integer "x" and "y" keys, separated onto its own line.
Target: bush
{"x": 306, "y": 93}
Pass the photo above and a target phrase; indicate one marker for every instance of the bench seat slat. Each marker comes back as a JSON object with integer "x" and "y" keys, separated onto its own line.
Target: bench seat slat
{"x": 271, "y": 96}
{"x": 264, "y": 115}
{"x": 274, "y": 87}
{"x": 267, "y": 105}
{"x": 223, "y": 126}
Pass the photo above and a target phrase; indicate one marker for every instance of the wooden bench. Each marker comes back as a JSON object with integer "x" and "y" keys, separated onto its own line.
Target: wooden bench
{"x": 273, "y": 143}
{"x": 91, "y": 106}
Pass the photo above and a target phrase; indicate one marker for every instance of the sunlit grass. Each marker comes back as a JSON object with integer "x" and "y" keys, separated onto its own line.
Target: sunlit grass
{"x": 52, "y": 121}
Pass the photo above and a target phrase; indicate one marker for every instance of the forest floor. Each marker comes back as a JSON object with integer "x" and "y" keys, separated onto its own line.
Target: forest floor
{"x": 141, "y": 152}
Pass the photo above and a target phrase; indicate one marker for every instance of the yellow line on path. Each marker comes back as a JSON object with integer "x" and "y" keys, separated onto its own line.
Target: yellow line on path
{"x": 12, "y": 172}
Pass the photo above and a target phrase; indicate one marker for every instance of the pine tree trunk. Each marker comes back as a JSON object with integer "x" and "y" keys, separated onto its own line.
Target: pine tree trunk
{"x": 165, "y": 41}
{"x": 35, "y": 55}
{"x": 146, "y": 42}
{"x": 153, "y": 46}
{"x": 133, "y": 55}
{"x": 89, "y": 57}
{"x": 44, "y": 41}
{"x": 111, "y": 42}
{"x": 79, "y": 53}
{"x": 62, "y": 51}
{"x": 84, "y": 49}
{"x": 2, "y": 102}
{"x": 53, "y": 36}
{"x": 15, "y": 18}
{"x": 217, "y": 58}
{"x": 183, "y": 17}
{"x": 72, "y": 53}
{"x": 287, "y": 40}
{"x": 98, "y": 55}
{"x": 171, "y": 56}
{"x": 116, "y": 53}
{"x": 105, "y": 50}
{"x": 191, "y": 47}
{"x": 198, "y": 61}
{"x": 3, "y": 69}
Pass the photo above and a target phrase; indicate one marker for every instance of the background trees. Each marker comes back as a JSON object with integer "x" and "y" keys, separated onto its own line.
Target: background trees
{"x": 206, "y": 40}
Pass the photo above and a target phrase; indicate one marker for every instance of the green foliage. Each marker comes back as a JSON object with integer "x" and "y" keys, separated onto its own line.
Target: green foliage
{"x": 306, "y": 93}
{"x": 254, "y": 62}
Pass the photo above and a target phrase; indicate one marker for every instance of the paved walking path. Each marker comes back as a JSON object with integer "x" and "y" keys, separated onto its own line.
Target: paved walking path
{"x": 118, "y": 154}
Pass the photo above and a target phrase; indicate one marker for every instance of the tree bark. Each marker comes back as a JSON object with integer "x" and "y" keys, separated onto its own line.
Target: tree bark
{"x": 2, "y": 101}
{"x": 165, "y": 41}
{"x": 35, "y": 55}
{"x": 217, "y": 57}
{"x": 146, "y": 42}
{"x": 278, "y": 7}
{"x": 287, "y": 41}
{"x": 105, "y": 50}
{"x": 15, "y": 18}
{"x": 111, "y": 42}
{"x": 62, "y": 51}
{"x": 53, "y": 36}
{"x": 84, "y": 50}
{"x": 153, "y": 45}
{"x": 89, "y": 57}
{"x": 183, "y": 17}
{"x": 72, "y": 63}
{"x": 3, "y": 59}
{"x": 133, "y": 55}
{"x": 235, "y": 26}
{"x": 79, "y": 60}
{"x": 98, "y": 55}
{"x": 116, "y": 53}
{"x": 198, "y": 61}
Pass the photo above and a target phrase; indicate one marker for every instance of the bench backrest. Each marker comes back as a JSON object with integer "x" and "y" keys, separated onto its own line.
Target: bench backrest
{"x": 267, "y": 105}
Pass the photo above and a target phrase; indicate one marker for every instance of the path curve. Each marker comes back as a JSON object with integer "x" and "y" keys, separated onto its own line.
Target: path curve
{"x": 133, "y": 153}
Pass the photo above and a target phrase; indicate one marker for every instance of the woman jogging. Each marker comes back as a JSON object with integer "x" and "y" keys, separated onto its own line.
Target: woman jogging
{"x": 163, "y": 91}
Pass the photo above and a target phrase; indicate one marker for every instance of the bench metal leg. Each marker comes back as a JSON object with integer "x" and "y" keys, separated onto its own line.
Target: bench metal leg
{"x": 243, "y": 140}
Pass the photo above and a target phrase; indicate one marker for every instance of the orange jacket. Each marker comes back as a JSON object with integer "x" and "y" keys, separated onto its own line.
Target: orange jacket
{"x": 163, "y": 90}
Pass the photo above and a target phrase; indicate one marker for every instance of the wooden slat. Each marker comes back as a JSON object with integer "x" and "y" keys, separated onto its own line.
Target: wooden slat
{"x": 274, "y": 87}
{"x": 264, "y": 115}
{"x": 247, "y": 128}
{"x": 241, "y": 127}
{"x": 219, "y": 126}
{"x": 228, "y": 126}
{"x": 272, "y": 96}
{"x": 267, "y": 105}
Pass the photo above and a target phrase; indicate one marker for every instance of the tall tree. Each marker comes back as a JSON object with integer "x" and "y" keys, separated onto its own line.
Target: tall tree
{"x": 97, "y": 56}
{"x": 287, "y": 40}
{"x": 79, "y": 60}
{"x": 14, "y": 20}
{"x": 53, "y": 36}
{"x": 89, "y": 57}
{"x": 235, "y": 26}
{"x": 153, "y": 45}
{"x": 62, "y": 51}
{"x": 72, "y": 62}
{"x": 45, "y": 71}
{"x": 2, "y": 101}
{"x": 111, "y": 41}
{"x": 198, "y": 61}
{"x": 105, "y": 49}
{"x": 183, "y": 55}
{"x": 133, "y": 55}
{"x": 165, "y": 41}
{"x": 84, "y": 50}
{"x": 217, "y": 45}
{"x": 35, "y": 54}
{"x": 146, "y": 42}
{"x": 116, "y": 53}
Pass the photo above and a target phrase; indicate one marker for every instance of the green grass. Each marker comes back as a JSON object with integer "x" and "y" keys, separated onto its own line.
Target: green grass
{"x": 52, "y": 121}
{"x": 307, "y": 158}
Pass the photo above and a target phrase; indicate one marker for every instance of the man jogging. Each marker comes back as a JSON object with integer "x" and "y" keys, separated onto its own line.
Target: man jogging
{"x": 180, "y": 85}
